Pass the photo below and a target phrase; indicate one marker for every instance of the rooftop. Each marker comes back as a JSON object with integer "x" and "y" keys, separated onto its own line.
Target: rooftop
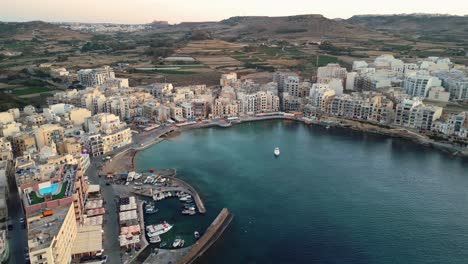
{"x": 42, "y": 230}
{"x": 88, "y": 239}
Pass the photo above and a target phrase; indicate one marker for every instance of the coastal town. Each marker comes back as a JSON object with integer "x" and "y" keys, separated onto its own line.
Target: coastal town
{"x": 72, "y": 193}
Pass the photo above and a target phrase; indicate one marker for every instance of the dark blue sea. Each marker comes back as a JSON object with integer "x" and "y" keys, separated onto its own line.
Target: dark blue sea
{"x": 333, "y": 196}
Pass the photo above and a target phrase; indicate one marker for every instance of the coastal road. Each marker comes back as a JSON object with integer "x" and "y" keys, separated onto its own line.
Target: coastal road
{"x": 111, "y": 225}
{"x": 18, "y": 237}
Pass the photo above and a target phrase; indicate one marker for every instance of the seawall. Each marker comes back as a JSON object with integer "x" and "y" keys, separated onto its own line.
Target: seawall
{"x": 212, "y": 234}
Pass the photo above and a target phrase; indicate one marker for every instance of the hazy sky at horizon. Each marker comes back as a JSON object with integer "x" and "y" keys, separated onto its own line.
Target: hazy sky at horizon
{"x": 174, "y": 11}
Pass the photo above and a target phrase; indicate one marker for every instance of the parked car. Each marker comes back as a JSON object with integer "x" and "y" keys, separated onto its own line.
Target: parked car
{"x": 22, "y": 220}
{"x": 104, "y": 259}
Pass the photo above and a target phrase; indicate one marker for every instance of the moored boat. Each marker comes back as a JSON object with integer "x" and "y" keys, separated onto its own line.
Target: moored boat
{"x": 176, "y": 242}
{"x": 156, "y": 230}
{"x": 196, "y": 235}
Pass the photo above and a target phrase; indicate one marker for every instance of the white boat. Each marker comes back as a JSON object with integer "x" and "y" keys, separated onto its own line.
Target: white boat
{"x": 185, "y": 198}
{"x": 156, "y": 230}
{"x": 277, "y": 152}
{"x": 188, "y": 212}
{"x": 155, "y": 239}
{"x": 177, "y": 242}
{"x": 196, "y": 235}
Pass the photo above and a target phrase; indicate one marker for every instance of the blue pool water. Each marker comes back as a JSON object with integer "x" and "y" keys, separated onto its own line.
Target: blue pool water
{"x": 52, "y": 189}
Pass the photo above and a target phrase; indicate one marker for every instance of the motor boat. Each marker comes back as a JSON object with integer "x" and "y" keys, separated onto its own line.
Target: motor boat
{"x": 156, "y": 230}
{"x": 276, "y": 151}
{"x": 177, "y": 242}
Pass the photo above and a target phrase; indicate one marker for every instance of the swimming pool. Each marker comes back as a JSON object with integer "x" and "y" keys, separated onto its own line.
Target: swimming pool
{"x": 52, "y": 189}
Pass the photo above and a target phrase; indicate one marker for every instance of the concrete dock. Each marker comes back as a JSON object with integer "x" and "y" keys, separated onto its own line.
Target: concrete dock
{"x": 212, "y": 234}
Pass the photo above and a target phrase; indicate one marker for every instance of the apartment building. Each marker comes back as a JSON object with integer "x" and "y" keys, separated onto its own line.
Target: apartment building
{"x": 23, "y": 143}
{"x": 331, "y": 71}
{"x": 48, "y": 133}
{"x": 419, "y": 85}
{"x": 95, "y": 77}
{"x": 416, "y": 115}
{"x": 51, "y": 234}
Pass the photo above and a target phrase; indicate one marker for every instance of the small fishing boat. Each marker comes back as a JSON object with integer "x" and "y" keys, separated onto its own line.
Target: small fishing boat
{"x": 176, "y": 242}
{"x": 196, "y": 235}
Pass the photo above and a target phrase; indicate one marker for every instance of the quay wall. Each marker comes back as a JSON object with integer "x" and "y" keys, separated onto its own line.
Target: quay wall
{"x": 212, "y": 234}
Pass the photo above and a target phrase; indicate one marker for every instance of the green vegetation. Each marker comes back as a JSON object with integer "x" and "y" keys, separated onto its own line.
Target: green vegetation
{"x": 174, "y": 72}
{"x": 397, "y": 48}
{"x": 158, "y": 52}
{"x": 259, "y": 67}
{"x": 30, "y": 90}
{"x": 93, "y": 46}
{"x": 290, "y": 30}
{"x": 199, "y": 35}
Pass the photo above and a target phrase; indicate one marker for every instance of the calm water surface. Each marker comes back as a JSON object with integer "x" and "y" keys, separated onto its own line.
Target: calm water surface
{"x": 333, "y": 196}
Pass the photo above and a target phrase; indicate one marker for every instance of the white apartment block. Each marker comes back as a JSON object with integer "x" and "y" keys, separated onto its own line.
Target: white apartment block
{"x": 95, "y": 77}
{"x": 291, "y": 85}
{"x": 416, "y": 115}
{"x": 419, "y": 85}
{"x": 280, "y": 77}
{"x": 331, "y": 71}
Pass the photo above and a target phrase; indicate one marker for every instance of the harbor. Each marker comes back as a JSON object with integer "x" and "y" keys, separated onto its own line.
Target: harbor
{"x": 159, "y": 216}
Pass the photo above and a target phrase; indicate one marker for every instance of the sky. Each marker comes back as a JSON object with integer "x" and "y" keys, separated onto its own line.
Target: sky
{"x": 175, "y": 11}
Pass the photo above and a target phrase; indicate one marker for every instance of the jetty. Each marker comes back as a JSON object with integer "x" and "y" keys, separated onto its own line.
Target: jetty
{"x": 212, "y": 234}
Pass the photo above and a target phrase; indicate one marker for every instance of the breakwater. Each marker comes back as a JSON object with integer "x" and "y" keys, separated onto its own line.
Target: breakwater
{"x": 212, "y": 234}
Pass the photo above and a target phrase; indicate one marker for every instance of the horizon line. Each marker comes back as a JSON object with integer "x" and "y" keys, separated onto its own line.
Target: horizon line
{"x": 215, "y": 21}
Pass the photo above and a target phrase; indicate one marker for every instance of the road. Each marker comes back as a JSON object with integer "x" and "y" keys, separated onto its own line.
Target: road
{"x": 18, "y": 237}
{"x": 111, "y": 225}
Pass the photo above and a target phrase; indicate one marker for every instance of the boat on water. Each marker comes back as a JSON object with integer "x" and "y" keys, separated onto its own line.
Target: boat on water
{"x": 150, "y": 208}
{"x": 155, "y": 239}
{"x": 156, "y": 230}
{"x": 196, "y": 235}
{"x": 177, "y": 242}
{"x": 185, "y": 198}
{"x": 188, "y": 212}
{"x": 190, "y": 207}
{"x": 327, "y": 127}
{"x": 276, "y": 152}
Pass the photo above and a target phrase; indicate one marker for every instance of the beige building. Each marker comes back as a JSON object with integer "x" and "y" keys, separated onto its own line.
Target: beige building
{"x": 9, "y": 129}
{"x": 6, "y": 151}
{"x": 438, "y": 93}
{"x": 79, "y": 115}
{"x": 51, "y": 237}
{"x": 69, "y": 146}
{"x": 22, "y": 143}
{"x": 6, "y": 117}
{"x": 48, "y": 133}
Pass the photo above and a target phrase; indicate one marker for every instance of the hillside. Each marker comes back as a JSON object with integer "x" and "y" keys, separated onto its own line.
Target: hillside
{"x": 313, "y": 27}
{"x": 427, "y": 27}
{"x": 39, "y": 30}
